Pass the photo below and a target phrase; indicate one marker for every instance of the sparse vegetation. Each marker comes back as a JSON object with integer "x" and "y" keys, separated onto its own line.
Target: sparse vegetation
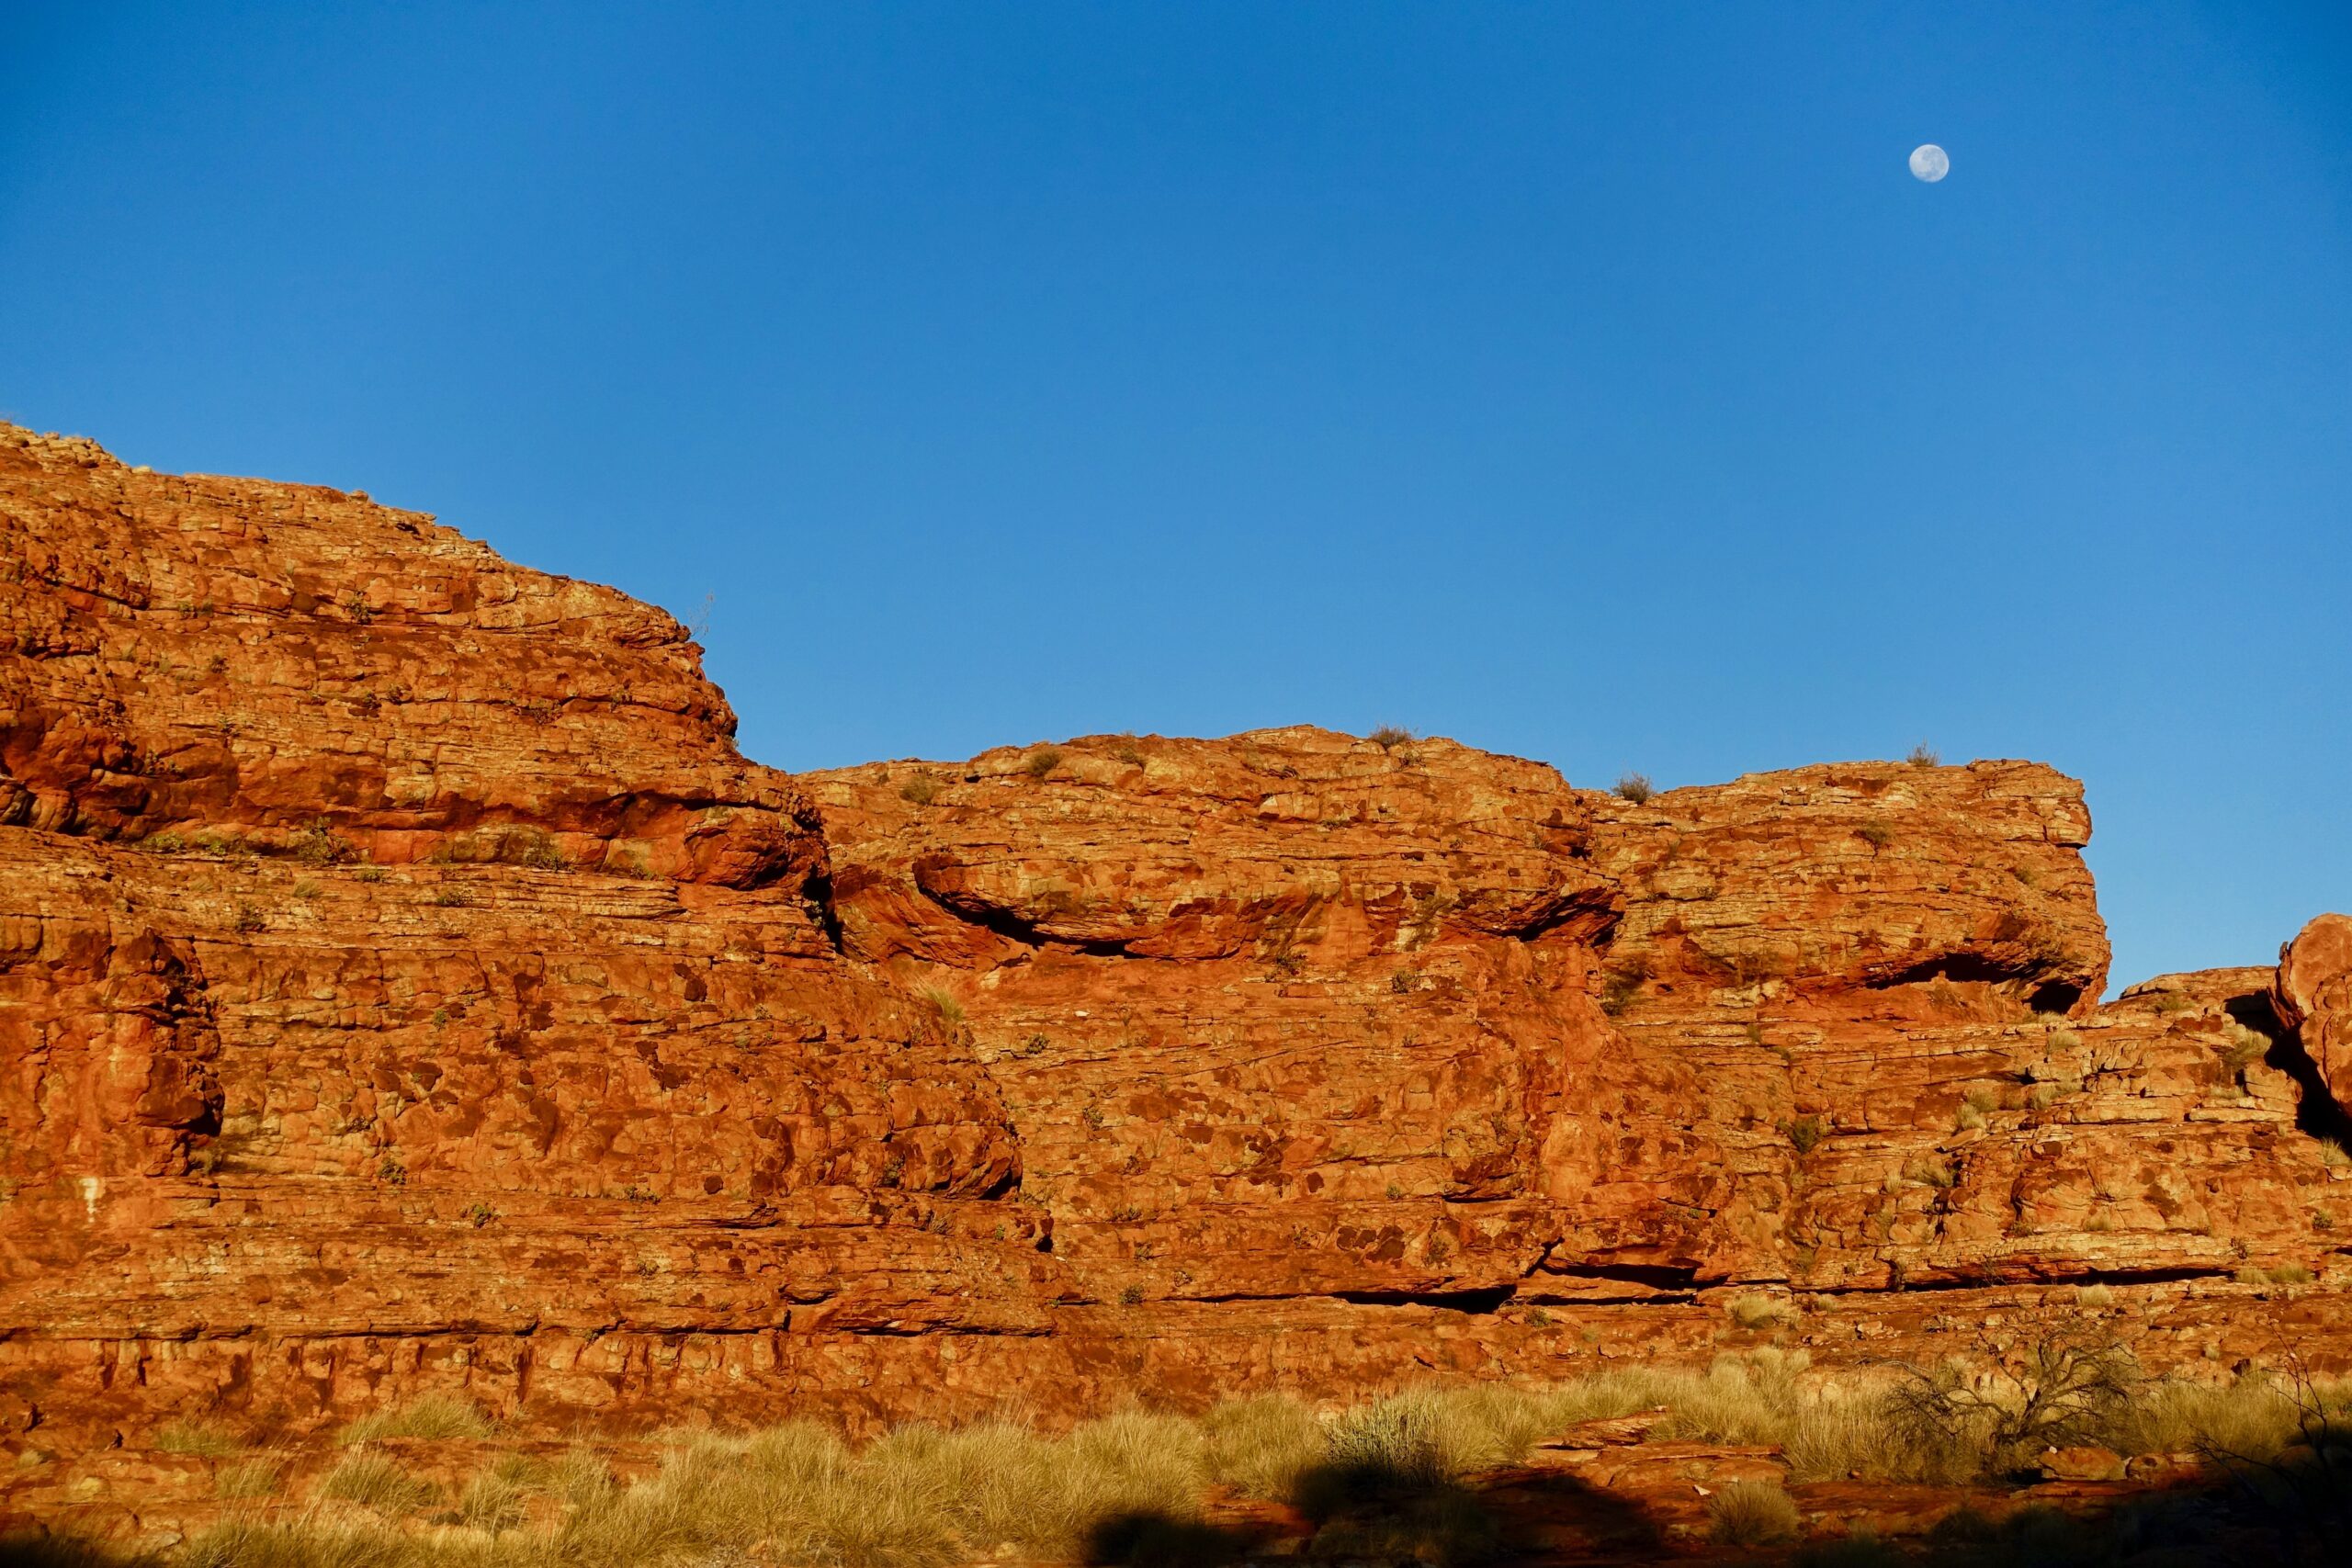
{"x": 1877, "y": 835}
{"x": 1620, "y": 983}
{"x": 2070, "y": 1388}
{"x": 1806, "y": 1133}
{"x": 319, "y": 844}
{"x": 253, "y": 1478}
{"x": 1261, "y": 1446}
{"x": 1388, "y": 737}
{"x": 921, "y": 789}
{"x": 1751, "y": 1513}
{"x": 2276, "y": 1274}
{"x": 437, "y": 1416}
{"x": 1387, "y": 1481}
{"x": 493, "y": 1498}
{"x": 2248, "y": 1046}
{"x": 1924, "y": 756}
{"x": 374, "y": 1481}
{"x": 1758, "y": 1312}
{"x": 1634, "y": 787}
{"x": 201, "y": 1438}
{"x": 950, "y": 1011}
{"x": 1043, "y": 760}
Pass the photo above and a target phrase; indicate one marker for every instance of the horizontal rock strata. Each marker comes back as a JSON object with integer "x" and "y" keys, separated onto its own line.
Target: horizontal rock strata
{"x": 404, "y": 984}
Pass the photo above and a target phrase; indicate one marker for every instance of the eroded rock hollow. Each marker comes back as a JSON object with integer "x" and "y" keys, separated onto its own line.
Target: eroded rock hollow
{"x": 404, "y": 984}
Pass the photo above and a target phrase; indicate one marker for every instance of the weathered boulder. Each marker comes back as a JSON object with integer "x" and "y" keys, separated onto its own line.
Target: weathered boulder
{"x": 2313, "y": 997}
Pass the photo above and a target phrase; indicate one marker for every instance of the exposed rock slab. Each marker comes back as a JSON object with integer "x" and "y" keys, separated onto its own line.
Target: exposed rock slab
{"x": 404, "y": 983}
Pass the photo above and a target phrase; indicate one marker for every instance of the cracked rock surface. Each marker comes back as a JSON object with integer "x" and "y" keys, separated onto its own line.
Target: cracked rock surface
{"x": 405, "y": 984}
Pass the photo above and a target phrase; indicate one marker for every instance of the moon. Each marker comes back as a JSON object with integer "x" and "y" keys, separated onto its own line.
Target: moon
{"x": 1929, "y": 162}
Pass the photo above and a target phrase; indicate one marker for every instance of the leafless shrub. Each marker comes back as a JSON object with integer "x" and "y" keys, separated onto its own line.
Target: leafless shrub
{"x": 2073, "y": 1385}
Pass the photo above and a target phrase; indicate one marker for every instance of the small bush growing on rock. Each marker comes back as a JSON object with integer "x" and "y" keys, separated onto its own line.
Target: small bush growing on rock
{"x": 1620, "y": 983}
{"x": 374, "y": 1481}
{"x": 1924, "y": 756}
{"x": 1877, "y": 835}
{"x": 1043, "y": 760}
{"x": 253, "y": 1478}
{"x": 1634, "y": 787}
{"x": 1425, "y": 1436}
{"x": 1260, "y": 1447}
{"x": 200, "y": 1437}
{"x": 492, "y": 1499}
{"x": 951, "y": 1012}
{"x": 1806, "y": 1133}
{"x": 921, "y": 789}
{"x": 2069, "y": 1389}
{"x": 1388, "y": 737}
{"x": 319, "y": 844}
{"x": 1751, "y": 1513}
{"x": 581, "y": 1477}
{"x": 439, "y": 1416}
{"x": 1758, "y": 1312}
{"x": 2248, "y": 1046}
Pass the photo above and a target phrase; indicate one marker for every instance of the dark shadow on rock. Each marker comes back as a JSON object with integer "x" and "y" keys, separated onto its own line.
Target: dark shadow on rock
{"x": 1145, "y": 1539}
{"x": 1379, "y": 1512}
{"x": 2318, "y": 1113}
{"x": 61, "y": 1551}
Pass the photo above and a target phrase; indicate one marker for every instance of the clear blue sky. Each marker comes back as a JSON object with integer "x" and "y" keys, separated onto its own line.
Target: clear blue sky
{"x": 1589, "y": 383}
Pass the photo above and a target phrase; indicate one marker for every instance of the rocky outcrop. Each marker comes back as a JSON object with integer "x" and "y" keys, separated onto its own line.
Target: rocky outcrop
{"x": 404, "y": 983}
{"x": 2313, "y": 996}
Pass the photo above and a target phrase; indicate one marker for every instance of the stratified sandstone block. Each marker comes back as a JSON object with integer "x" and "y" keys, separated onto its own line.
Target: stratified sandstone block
{"x": 404, "y": 983}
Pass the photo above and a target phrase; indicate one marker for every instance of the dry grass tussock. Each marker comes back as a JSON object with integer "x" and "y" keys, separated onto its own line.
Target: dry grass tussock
{"x": 1751, "y": 1513}
{"x": 1382, "y": 1480}
{"x": 432, "y": 1416}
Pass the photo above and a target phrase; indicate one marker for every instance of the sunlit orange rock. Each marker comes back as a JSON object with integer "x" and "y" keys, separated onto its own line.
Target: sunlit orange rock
{"x": 404, "y": 983}
{"x": 2313, "y": 997}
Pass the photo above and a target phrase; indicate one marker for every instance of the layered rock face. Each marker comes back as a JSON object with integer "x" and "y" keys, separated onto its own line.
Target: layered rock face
{"x": 404, "y": 984}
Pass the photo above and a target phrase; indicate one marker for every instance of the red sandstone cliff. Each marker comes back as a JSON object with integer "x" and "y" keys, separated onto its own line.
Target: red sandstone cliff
{"x": 403, "y": 981}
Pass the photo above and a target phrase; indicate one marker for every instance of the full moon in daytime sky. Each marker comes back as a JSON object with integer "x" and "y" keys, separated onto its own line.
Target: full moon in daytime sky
{"x": 1929, "y": 162}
